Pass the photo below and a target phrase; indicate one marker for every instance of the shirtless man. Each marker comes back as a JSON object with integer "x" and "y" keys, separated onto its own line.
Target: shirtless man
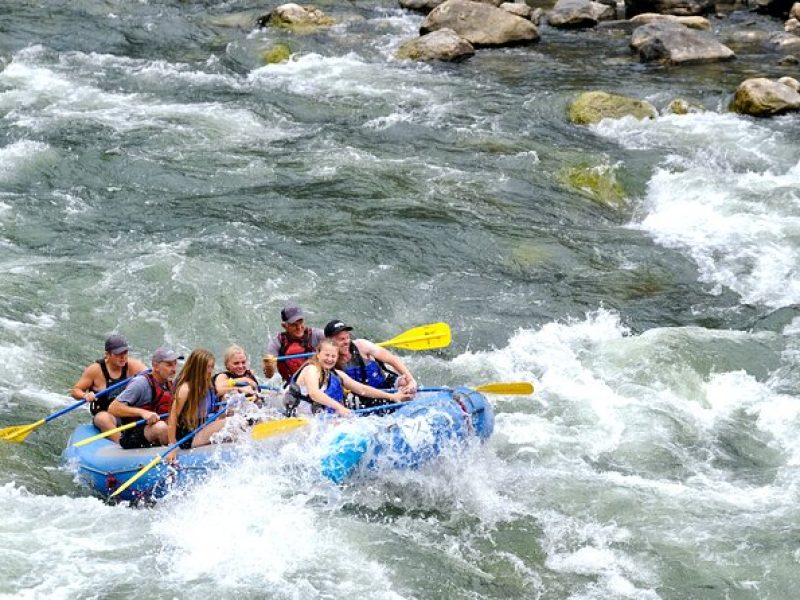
{"x": 114, "y": 367}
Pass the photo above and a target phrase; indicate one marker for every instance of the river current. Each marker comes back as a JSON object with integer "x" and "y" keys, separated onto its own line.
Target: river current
{"x": 158, "y": 180}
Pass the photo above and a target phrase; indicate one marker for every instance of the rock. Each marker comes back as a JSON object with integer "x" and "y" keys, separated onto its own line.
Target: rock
{"x": 675, "y": 44}
{"x": 679, "y": 106}
{"x": 690, "y": 22}
{"x": 480, "y": 24}
{"x": 794, "y": 12}
{"x": 598, "y": 183}
{"x": 579, "y": 13}
{"x": 277, "y": 54}
{"x": 593, "y": 107}
{"x": 426, "y": 6}
{"x": 761, "y": 97}
{"x": 791, "y": 25}
{"x": 681, "y": 8}
{"x": 517, "y": 8}
{"x": 296, "y": 17}
{"x": 789, "y": 59}
{"x": 784, "y": 42}
{"x": 536, "y": 16}
{"x": 442, "y": 44}
{"x": 791, "y": 82}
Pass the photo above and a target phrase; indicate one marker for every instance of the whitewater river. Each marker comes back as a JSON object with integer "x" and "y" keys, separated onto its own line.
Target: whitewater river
{"x": 157, "y": 180}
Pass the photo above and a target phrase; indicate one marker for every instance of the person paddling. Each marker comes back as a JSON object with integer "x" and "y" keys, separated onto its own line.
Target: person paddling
{"x": 318, "y": 382}
{"x": 237, "y": 373}
{"x": 368, "y": 363}
{"x": 295, "y": 338}
{"x": 146, "y": 397}
{"x": 114, "y": 367}
{"x": 195, "y": 399}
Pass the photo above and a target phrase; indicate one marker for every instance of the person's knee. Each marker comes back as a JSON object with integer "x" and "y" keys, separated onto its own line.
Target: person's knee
{"x": 104, "y": 421}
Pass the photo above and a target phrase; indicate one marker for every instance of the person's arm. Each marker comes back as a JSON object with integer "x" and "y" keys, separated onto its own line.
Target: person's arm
{"x": 309, "y": 378}
{"x": 126, "y": 404}
{"x": 362, "y": 389}
{"x": 172, "y": 421}
{"x": 383, "y": 355}
{"x": 81, "y": 390}
{"x": 268, "y": 362}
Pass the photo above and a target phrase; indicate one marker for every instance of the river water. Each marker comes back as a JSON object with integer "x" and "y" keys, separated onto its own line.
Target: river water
{"x": 157, "y": 180}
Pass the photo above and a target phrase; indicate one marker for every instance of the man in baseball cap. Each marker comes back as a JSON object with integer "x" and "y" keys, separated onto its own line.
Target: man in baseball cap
{"x": 295, "y": 338}
{"x": 147, "y": 397}
{"x": 115, "y": 366}
{"x": 368, "y": 363}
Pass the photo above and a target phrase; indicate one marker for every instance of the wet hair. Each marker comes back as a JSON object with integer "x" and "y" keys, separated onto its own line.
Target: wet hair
{"x": 232, "y": 351}
{"x": 195, "y": 375}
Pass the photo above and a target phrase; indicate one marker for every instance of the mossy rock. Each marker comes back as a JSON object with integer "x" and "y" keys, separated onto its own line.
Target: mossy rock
{"x": 278, "y": 53}
{"x": 593, "y": 107}
{"x": 598, "y": 183}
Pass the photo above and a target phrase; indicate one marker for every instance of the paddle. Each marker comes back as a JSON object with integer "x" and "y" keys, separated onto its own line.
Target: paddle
{"x": 18, "y": 433}
{"x": 105, "y": 434}
{"x": 160, "y": 457}
{"x": 424, "y": 337}
{"x": 267, "y": 429}
{"x": 264, "y": 430}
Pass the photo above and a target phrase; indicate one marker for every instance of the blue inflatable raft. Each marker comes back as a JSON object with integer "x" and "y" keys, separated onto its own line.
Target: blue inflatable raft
{"x": 406, "y": 438}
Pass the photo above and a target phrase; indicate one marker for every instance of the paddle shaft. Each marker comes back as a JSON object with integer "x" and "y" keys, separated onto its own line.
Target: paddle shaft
{"x": 82, "y": 401}
{"x": 110, "y": 432}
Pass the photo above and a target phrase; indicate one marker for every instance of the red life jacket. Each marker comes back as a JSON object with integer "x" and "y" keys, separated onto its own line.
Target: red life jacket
{"x": 287, "y": 368}
{"x": 161, "y": 399}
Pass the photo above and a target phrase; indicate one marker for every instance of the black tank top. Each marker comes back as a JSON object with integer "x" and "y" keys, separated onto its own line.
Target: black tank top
{"x": 105, "y": 401}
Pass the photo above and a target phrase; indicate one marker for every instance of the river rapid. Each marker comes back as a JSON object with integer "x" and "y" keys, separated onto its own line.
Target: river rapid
{"x": 158, "y": 180}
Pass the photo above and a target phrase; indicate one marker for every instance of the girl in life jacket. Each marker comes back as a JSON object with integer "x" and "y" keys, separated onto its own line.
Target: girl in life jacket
{"x": 319, "y": 382}
{"x": 236, "y": 374}
{"x": 194, "y": 402}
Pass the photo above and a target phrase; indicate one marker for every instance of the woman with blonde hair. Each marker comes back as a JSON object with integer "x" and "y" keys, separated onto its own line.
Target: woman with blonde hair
{"x": 194, "y": 402}
{"x": 319, "y": 382}
{"x": 237, "y": 373}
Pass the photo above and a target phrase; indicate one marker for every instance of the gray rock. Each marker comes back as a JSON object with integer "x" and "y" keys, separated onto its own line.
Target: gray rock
{"x": 427, "y": 6}
{"x": 784, "y": 42}
{"x": 442, "y": 44}
{"x": 792, "y": 25}
{"x": 296, "y": 17}
{"x": 791, "y": 82}
{"x": 761, "y": 97}
{"x": 794, "y": 12}
{"x": 579, "y": 13}
{"x": 480, "y": 24}
{"x": 517, "y": 8}
{"x": 675, "y": 44}
{"x": 789, "y": 59}
{"x": 593, "y": 107}
{"x": 693, "y": 22}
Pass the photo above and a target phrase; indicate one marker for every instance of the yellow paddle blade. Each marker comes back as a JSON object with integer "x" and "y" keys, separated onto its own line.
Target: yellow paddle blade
{"x": 424, "y": 337}
{"x": 133, "y": 479}
{"x": 18, "y": 433}
{"x": 517, "y": 388}
{"x": 105, "y": 434}
{"x": 262, "y": 431}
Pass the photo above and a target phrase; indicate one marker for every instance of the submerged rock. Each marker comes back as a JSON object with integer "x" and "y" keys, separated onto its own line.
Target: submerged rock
{"x": 679, "y": 106}
{"x": 598, "y": 183}
{"x": 693, "y": 22}
{"x": 761, "y": 97}
{"x": 675, "y": 44}
{"x": 593, "y": 107}
{"x": 296, "y": 18}
{"x": 579, "y": 13}
{"x": 480, "y": 24}
{"x": 443, "y": 44}
{"x": 784, "y": 42}
{"x": 277, "y": 54}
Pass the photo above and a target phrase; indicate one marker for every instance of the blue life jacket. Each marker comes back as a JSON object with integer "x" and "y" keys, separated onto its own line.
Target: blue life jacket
{"x": 370, "y": 372}
{"x": 330, "y": 383}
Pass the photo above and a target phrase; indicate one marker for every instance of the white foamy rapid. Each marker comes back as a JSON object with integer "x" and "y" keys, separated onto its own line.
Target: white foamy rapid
{"x": 728, "y": 194}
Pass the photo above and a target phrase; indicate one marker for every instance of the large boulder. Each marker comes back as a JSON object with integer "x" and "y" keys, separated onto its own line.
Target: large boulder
{"x": 694, "y": 22}
{"x": 593, "y": 107}
{"x": 681, "y": 8}
{"x": 296, "y": 17}
{"x": 442, "y": 44}
{"x": 480, "y": 24}
{"x": 675, "y": 44}
{"x": 579, "y": 13}
{"x": 762, "y": 97}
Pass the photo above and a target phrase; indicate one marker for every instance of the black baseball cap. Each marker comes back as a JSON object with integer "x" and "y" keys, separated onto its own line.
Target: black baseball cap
{"x": 336, "y": 326}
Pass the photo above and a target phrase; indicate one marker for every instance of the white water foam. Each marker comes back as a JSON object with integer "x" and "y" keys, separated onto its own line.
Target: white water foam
{"x": 728, "y": 195}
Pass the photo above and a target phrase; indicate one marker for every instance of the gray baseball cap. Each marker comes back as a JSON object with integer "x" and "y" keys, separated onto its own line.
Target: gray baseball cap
{"x": 164, "y": 354}
{"x": 291, "y": 313}
{"x": 116, "y": 344}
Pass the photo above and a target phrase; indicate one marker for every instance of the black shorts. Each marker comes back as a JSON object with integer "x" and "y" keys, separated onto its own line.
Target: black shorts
{"x": 99, "y": 405}
{"x": 180, "y": 432}
{"x": 134, "y": 438}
